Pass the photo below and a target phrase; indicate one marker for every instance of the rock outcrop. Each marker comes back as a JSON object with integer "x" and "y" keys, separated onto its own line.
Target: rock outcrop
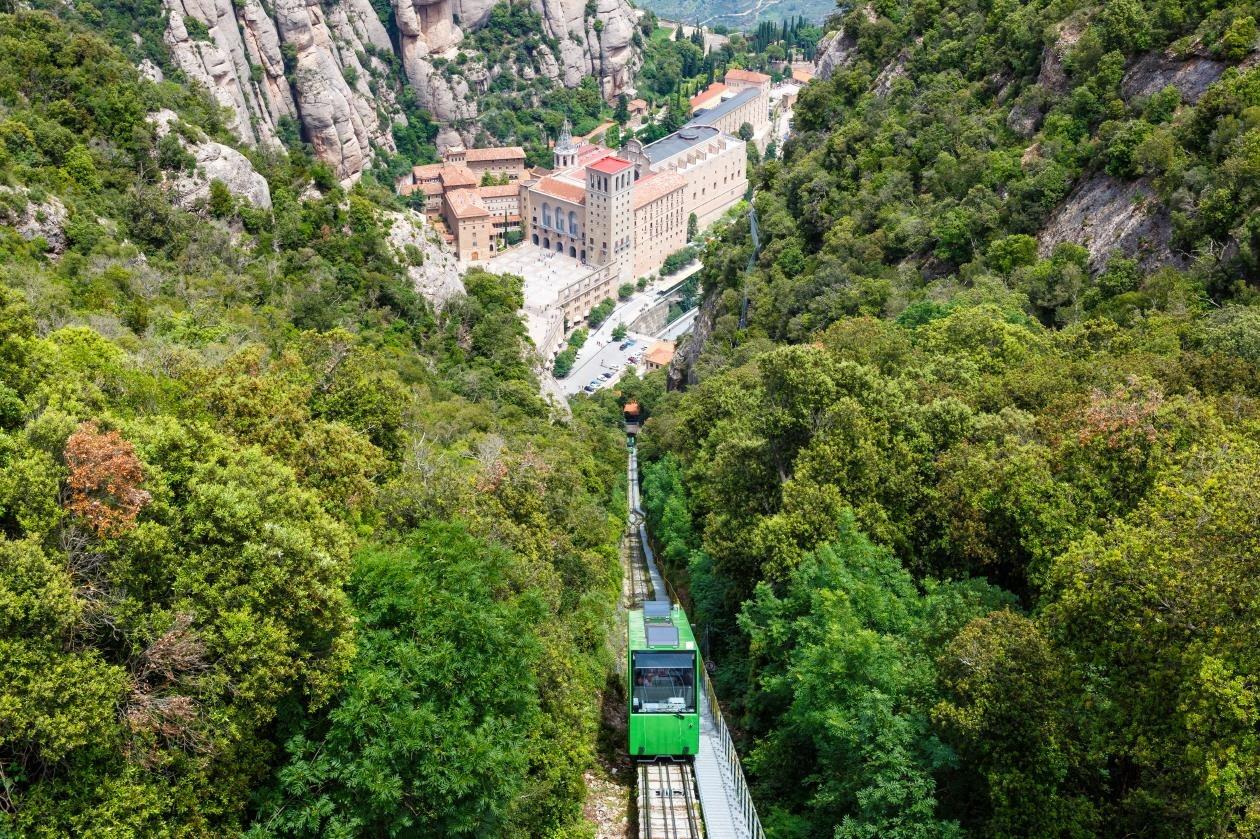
{"x": 838, "y": 49}
{"x": 433, "y": 269}
{"x": 887, "y": 77}
{"x": 1154, "y": 71}
{"x": 598, "y": 45}
{"x": 214, "y": 162}
{"x": 32, "y": 220}
{"x": 1106, "y": 217}
{"x": 682, "y": 370}
{"x": 295, "y": 61}
{"x": 327, "y": 65}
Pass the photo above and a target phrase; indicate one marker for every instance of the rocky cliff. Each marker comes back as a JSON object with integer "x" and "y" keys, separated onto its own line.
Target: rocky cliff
{"x": 578, "y": 39}
{"x": 330, "y": 67}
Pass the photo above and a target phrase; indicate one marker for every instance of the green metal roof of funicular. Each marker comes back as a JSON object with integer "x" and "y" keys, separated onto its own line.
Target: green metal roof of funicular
{"x": 638, "y": 639}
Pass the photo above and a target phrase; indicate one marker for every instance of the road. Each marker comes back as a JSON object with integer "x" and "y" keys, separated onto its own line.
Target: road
{"x": 679, "y": 327}
{"x": 601, "y": 354}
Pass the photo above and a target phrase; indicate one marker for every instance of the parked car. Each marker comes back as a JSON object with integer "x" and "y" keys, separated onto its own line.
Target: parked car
{"x": 608, "y": 375}
{"x": 634, "y": 359}
{"x": 625, "y": 345}
{"x": 589, "y": 389}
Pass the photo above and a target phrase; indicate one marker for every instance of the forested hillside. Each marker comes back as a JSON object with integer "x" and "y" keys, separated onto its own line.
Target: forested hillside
{"x": 968, "y": 509}
{"x": 284, "y": 551}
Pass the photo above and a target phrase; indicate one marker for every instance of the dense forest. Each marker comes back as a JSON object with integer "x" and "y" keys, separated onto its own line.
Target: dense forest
{"x": 958, "y": 475}
{"x": 284, "y": 551}
{"x": 962, "y": 473}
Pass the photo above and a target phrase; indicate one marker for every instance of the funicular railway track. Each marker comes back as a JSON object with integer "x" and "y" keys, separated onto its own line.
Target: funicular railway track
{"x": 668, "y": 803}
{"x": 702, "y": 791}
{"x": 668, "y": 808}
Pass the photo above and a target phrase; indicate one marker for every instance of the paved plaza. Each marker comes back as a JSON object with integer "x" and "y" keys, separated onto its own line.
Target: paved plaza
{"x": 546, "y": 272}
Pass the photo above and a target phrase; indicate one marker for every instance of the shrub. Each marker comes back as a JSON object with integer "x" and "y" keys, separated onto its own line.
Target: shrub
{"x": 563, "y": 364}
{"x": 677, "y": 260}
{"x": 197, "y": 30}
{"x": 601, "y": 312}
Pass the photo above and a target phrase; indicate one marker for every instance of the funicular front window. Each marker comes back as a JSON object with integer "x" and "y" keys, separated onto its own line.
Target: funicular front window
{"x": 664, "y": 683}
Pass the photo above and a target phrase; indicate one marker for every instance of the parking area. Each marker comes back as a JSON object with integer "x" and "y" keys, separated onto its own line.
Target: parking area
{"x": 604, "y": 366}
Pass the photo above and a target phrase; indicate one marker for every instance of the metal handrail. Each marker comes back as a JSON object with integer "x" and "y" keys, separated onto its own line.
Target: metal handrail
{"x": 734, "y": 767}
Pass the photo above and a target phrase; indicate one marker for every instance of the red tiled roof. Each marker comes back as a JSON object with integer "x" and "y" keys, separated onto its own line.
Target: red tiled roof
{"x": 498, "y": 153}
{"x": 746, "y": 76}
{"x": 499, "y": 191}
{"x": 587, "y": 154}
{"x": 662, "y": 353}
{"x": 610, "y": 165}
{"x": 637, "y": 105}
{"x": 466, "y": 204}
{"x": 561, "y": 189}
{"x": 455, "y": 175}
{"x": 428, "y": 170}
{"x": 802, "y": 76}
{"x": 708, "y": 93}
{"x": 647, "y": 190}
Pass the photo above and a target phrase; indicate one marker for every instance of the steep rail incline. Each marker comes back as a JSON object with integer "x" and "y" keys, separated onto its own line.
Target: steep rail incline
{"x": 725, "y": 801}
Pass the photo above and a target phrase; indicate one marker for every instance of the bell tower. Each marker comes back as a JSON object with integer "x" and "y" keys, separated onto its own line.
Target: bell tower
{"x": 564, "y": 155}
{"x": 609, "y": 214}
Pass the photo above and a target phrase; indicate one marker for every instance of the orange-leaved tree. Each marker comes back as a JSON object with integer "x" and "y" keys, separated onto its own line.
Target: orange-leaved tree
{"x": 104, "y": 481}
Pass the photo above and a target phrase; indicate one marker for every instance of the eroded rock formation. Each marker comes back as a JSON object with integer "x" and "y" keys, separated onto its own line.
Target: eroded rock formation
{"x": 327, "y": 65}
{"x": 44, "y": 219}
{"x": 214, "y": 162}
{"x": 433, "y": 269}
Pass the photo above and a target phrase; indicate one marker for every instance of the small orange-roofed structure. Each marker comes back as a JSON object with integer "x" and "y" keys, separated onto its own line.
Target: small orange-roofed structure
{"x": 659, "y": 355}
{"x": 632, "y": 417}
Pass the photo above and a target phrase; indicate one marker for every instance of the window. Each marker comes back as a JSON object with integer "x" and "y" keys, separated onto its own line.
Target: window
{"x": 664, "y": 682}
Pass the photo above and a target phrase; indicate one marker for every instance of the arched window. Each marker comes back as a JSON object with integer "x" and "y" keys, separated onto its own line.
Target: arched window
{"x": 573, "y": 222}
{"x": 559, "y": 246}
{"x": 583, "y": 256}
{"x": 547, "y": 244}
{"x": 572, "y": 251}
{"x": 546, "y": 215}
